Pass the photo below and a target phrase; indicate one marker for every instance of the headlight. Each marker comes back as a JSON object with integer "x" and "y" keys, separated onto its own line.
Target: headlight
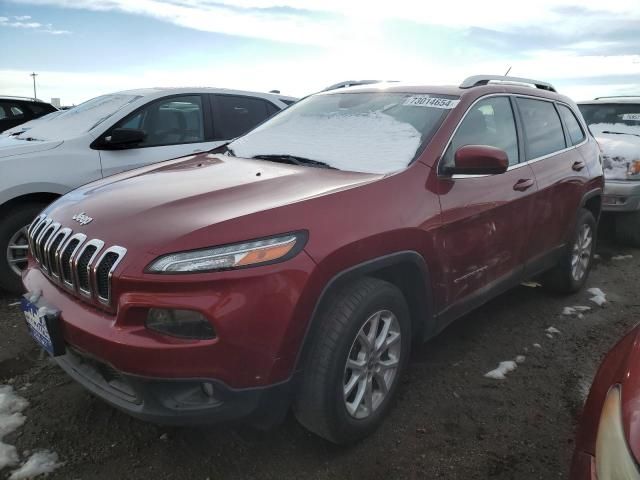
{"x": 614, "y": 461}
{"x": 253, "y": 253}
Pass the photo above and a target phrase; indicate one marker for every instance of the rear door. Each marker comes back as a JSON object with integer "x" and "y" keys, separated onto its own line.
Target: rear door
{"x": 560, "y": 173}
{"x": 235, "y": 115}
{"x": 175, "y": 126}
{"x": 485, "y": 217}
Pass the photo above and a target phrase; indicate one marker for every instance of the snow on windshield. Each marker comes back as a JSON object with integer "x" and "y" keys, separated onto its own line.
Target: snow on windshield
{"x": 363, "y": 132}
{"x": 78, "y": 120}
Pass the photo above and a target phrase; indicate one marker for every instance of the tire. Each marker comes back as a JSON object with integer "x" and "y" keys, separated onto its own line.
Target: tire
{"x": 320, "y": 404}
{"x": 628, "y": 228}
{"x": 16, "y": 219}
{"x": 564, "y": 278}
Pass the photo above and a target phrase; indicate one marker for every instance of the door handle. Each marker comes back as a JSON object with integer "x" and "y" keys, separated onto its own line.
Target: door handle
{"x": 577, "y": 166}
{"x": 523, "y": 184}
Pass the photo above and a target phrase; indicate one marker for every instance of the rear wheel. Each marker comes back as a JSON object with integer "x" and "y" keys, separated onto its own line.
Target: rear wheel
{"x": 628, "y": 228}
{"x": 353, "y": 369}
{"x": 571, "y": 272}
{"x": 14, "y": 246}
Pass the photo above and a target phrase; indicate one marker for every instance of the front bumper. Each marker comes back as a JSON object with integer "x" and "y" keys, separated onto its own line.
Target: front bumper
{"x": 176, "y": 401}
{"x": 621, "y": 196}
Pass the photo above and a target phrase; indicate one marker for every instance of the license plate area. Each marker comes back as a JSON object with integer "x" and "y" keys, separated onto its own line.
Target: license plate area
{"x": 43, "y": 323}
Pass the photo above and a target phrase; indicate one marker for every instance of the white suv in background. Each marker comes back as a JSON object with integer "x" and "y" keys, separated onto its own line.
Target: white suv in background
{"x": 615, "y": 122}
{"x": 45, "y": 158}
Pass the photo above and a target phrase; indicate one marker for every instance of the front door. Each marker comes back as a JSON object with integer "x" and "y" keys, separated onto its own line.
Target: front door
{"x": 485, "y": 217}
{"x": 174, "y": 127}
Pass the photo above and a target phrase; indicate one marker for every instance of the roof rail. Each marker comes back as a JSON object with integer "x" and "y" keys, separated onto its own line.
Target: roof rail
{"x": 617, "y": 96}
{"x": 477, "y": 80}
{"x": 353, "y": 83}
{"x": 21, "y": 98}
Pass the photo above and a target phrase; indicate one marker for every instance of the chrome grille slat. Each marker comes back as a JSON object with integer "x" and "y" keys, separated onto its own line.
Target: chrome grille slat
{"x": 81, "y": 265}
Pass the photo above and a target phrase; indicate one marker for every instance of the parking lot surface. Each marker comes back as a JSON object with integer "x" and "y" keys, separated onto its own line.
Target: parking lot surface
{"x": 449, "y": 421}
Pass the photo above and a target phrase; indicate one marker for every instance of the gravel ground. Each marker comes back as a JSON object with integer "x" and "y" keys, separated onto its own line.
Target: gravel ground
{"x": 449, "y": 421}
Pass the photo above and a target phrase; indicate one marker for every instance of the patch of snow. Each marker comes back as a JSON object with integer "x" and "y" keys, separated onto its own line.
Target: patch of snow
{"x": 503, "y": 368}
{"x": 530, "y": 284}
{"x": 549, "y": 335}
{"x": 39, "y": 463}
{"x": 537, "y": 345}
{"x": 520, "y": 359}
{"x": 14, "y": 304}
{"x": 576, "y": 310}
{"x": 599, "y": 297}
{"x": 11, "y": 418}
{"x": 596, "y": 256}
{"x": 621, "y": 257}
{"x": 552, "y": 330}
{"x": 34, "y": 296}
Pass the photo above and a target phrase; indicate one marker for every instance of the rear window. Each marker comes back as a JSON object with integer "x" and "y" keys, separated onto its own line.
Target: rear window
{"x": 379, "y": 132}
{"x": 576, "y": 134}
{"x": 542, "y": 128}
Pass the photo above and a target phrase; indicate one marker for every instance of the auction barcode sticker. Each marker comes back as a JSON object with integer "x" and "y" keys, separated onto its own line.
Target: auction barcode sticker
{"x": 634, "y": 117}
{"x": 429, "y": 101}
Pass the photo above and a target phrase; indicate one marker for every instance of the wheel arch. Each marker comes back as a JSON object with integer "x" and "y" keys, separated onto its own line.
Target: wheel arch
{"x": 407, "y": 270}
{"x": 592, "y": 201}
{"x": 35, "y": 197}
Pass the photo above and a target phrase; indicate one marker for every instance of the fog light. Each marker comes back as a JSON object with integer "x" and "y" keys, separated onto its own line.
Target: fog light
{"x": 179, "y": 323}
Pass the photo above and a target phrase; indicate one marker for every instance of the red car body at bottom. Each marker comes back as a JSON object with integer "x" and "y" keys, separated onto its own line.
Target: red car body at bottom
{"x": 614, "y": 397}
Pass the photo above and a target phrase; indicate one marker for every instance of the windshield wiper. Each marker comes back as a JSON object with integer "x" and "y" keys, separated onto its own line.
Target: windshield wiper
{"x": 620, "y": 133}
{"x": 295, "y": 160}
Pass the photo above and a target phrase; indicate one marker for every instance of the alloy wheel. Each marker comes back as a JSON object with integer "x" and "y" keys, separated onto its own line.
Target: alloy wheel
{"x": 17, "y": 250}
{"x": 581, "y": 254}
{"x": 372, "y": 364}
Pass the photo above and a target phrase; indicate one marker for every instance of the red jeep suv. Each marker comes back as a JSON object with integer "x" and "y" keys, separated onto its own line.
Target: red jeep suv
{"x": 297, "y": 265}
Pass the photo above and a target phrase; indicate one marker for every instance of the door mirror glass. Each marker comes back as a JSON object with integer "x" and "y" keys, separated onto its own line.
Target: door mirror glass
{"x": 124, "y": 138}
{"x": 480, "y": 160}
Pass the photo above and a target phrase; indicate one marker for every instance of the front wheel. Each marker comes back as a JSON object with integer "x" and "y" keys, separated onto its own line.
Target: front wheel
{"x": 571, "y": 272}
{"x": 353, "y": 369}
{"x": 14, "y": 246}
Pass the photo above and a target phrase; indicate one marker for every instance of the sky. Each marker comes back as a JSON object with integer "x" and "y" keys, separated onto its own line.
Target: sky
{"x": 84, "y": 48}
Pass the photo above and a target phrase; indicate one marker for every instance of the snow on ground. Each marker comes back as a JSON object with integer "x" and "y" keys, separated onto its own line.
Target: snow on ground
{"x": 11, "y": 418}
{"x": 537, "y": 345}
{"x": 576, "y": 310}
{"x": 41, "y": 462}
{"x": 520, "y": 359}
{"x": 621, "y": 257}
{"x": 502, "y": 370}
{"x": 551, "y": 331}
{"x": 599, "y": 297}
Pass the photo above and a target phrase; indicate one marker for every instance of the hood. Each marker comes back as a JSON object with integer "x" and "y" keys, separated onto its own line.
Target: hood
{"x": 181, "y": 202}
{"x": 619, "y": 150}
{"x": 10, "y": 146}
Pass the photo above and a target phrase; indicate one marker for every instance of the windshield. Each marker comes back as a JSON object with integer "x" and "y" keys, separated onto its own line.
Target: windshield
{"x": 77, "y": 120}
{"x": 616, "y": 126}
{"x": 377, "y": 132}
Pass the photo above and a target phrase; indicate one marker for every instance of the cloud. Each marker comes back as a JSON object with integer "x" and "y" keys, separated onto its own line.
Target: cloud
{"x": 21, "y": 22}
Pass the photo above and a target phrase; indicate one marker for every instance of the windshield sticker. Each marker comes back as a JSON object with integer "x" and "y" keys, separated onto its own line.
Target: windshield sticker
{"x": 634, "y": 117}
{"x": 428, "y": 101}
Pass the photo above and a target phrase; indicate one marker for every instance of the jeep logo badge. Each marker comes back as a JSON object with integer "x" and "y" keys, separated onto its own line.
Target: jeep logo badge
{"x": 82, "y": 218}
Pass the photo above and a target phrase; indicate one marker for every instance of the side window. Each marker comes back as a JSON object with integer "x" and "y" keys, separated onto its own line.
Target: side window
{"x": 236, "y": 115}
{"x": 3, "y": 113}
{"x": 576, "y": 134}
{"x": 542, "y": 128}
{"x": 488, "y": 122}
{"x": 38, "y": 110}
{"x": 17, "y": 111}
{"x": 170, "y": 121}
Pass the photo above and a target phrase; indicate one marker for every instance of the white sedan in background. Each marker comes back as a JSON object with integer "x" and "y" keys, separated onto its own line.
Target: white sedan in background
{"x": 45, "y": 158}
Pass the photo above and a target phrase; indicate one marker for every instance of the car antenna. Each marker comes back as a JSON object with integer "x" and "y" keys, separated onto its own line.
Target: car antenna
{"x": 508, "y": 70}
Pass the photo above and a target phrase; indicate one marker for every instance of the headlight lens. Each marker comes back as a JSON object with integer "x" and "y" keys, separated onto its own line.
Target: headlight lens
{"x": 614, "y": 461}
{"x": 179, "y": 323}
{"x": 239, "y": 255}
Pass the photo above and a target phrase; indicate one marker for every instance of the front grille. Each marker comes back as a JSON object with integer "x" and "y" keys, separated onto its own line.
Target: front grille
{"x": 80, "y": 265}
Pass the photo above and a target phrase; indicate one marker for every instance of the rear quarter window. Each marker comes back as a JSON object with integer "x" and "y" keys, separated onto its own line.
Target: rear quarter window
{"x": 542, "y": 127}
{"x": 576, "y": 134}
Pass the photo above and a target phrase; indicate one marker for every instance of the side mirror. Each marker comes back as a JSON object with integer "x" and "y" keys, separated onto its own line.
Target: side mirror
{"x": 479, "y": 160}
{"x": 123, "y": 138}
